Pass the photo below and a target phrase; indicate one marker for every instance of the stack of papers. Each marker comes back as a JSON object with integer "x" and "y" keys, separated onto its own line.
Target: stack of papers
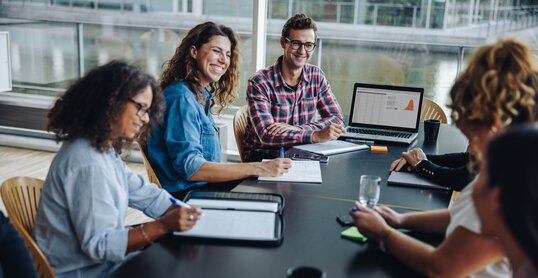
{"x": 332, "y": 147}
{"x": 300, "y": 171}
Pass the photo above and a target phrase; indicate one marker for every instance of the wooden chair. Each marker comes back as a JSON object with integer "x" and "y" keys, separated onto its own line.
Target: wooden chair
{"x": 151, "y": 174}
{"x": 21, "y": 198}
{"x": 240, "y": 122}
{"x": 432, "y": 111}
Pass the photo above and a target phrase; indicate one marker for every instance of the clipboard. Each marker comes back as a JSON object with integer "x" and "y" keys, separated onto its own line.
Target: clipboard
{"x": 237, "y": 217}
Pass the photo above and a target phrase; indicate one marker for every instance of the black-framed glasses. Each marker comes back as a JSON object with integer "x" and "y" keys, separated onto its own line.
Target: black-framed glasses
{"x": 295, "y": 44}
{"x": 141, "y": 109}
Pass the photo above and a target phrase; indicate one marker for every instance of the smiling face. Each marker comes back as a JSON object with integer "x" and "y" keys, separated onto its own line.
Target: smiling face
{"x": 297, "y": 58}
{"x": 130, "y": 123}
{"x": 212, "y": 59}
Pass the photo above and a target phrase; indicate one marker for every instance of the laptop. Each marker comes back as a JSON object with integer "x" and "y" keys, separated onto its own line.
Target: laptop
{"x": 384, "y": 113}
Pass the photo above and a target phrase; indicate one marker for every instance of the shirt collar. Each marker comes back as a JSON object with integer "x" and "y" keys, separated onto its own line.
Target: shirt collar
{"x": 278, "y": 73}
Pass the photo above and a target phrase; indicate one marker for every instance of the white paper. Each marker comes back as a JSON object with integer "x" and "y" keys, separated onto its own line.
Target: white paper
{"x": 332, "y": 147}
{"x": 234, "y": 224}
{"x": 300, "y": 171}
{"x": 238, "y": 205}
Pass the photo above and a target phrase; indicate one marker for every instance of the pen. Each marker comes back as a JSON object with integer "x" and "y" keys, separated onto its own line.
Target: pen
{"x": 179, "y": 203}
{"x": 369, "y": 142}
{"x": 354, "y": 209}
{"x": 281, "y": 152}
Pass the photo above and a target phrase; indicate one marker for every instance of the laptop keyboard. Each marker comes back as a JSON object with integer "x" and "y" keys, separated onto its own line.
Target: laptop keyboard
{"x": 379, "y": 132}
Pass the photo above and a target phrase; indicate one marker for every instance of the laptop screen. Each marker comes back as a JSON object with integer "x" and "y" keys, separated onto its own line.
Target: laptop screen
{"x": 384, "y": 106}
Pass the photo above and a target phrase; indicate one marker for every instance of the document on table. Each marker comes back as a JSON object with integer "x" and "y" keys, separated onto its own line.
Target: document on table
{"x": 331, "y": 147}
{"x": 300, "y": 171}
{"x": 234, "y": 224}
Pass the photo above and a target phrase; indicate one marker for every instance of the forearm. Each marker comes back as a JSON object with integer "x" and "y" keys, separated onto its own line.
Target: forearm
{"x": 435, "y": 221}
{"x": 333, "y": 119}
{"x": 221, "y": 172}
{"x": 145, "y": 234}
{"x": 286, "y": 138}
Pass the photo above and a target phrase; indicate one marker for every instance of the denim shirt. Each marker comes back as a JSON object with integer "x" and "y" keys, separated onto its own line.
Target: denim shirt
{"x": 185, "y": 140}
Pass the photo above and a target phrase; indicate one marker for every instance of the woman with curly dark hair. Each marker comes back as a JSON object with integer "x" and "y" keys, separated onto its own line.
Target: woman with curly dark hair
{"x": 184, "y": 150}
{"x": 80, "y": 219}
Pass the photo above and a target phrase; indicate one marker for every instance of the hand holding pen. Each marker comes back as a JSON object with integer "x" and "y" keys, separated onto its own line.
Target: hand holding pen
{"x": 181, "y": 219}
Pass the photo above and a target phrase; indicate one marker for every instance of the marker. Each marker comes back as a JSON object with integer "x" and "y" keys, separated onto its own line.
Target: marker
{"x": 281, "y": 152}
{"x": 368, "y": 142}
{"x": 179, "y": 203}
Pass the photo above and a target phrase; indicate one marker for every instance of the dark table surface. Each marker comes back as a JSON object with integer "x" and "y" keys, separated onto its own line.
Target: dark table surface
{"x": 311, "y": 236}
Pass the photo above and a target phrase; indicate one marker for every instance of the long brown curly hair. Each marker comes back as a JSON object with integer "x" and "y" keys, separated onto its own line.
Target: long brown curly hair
{"x": 500, "y": 81}
{"x": 183, "y": 67}
{"x": 91, "y": 107}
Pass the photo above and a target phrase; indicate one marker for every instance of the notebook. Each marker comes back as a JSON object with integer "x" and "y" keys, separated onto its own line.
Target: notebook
{"x": 237, "y": 216}
{"x": 413, "y": 180}
{"x": 331, "y": 147}
{"x": 385, "y": 113}
{"x": 300, "y": 171}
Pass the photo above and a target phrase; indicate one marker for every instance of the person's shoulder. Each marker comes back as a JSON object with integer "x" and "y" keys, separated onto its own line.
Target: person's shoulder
{"x": 178, "y": 89}
{"x": 313, "y": 69}
{"x": 78, "y": 151}
{"x": 263, "y": 75}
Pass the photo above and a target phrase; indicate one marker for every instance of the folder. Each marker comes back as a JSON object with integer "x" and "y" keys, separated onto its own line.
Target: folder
{"x": 412, "y": 180}
{"x": 237, "y": 216}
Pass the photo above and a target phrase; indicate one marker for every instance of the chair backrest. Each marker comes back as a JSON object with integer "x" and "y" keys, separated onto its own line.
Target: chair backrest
{"x": 240, "y": 125}
{"x": 151, "y": 174}
{"x": 432, "y": 111}
{"x": 21, "y": 197}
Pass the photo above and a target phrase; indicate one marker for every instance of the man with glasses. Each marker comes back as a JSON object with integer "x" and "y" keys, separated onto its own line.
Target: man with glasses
{"x": 283, "y": 99}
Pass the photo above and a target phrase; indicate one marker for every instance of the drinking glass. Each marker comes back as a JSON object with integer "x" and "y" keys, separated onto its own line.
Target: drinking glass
{"x": 369, "y": 190}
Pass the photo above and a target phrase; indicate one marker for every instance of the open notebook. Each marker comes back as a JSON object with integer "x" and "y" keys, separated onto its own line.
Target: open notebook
{"x": 237, "y": 216}
{"x": 300, "y": 171}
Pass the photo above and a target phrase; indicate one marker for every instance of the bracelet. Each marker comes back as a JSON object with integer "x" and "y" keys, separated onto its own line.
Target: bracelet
{"x": 144, "y": 234}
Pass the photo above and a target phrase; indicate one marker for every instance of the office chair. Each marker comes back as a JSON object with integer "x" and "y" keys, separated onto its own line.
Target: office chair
{"x": 151, "y": 174}
{"x": 240, "y": 124}
{"x": 21, "y": 197}
{"x": 432, "y": 111}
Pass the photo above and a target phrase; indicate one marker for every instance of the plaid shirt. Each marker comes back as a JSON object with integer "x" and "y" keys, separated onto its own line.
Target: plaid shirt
{"x": 271, "y": 100}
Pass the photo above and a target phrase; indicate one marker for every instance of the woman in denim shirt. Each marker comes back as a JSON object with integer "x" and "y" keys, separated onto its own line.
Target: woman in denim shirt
{"x": 184, "y": 150}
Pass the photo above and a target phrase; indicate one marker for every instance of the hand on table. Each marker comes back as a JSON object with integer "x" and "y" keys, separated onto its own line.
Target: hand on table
{"x": 370, "y": 223}
{"x": 410, "y": 159}
{"x": 328, "y": 133}
{"x": 180, "y": 219}
{"x": 274, "y": 168}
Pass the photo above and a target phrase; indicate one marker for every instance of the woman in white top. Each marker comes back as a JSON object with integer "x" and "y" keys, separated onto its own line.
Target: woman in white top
{"x": 498, "y": 88}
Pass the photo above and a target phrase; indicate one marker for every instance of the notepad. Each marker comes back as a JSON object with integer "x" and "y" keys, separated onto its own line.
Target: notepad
{"x": 300, "y": 171}
{"x": 413, "y": 180}
{"x": 353, "y": 234}
{"x": 236, "y": 216}
{"x": 331, "y": 147}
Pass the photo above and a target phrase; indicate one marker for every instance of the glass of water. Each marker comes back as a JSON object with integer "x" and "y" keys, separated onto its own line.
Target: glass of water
{"x": 369, "y": 190}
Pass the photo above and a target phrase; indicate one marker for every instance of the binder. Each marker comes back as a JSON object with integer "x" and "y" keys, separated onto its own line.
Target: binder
{"x": 237, "y": 217}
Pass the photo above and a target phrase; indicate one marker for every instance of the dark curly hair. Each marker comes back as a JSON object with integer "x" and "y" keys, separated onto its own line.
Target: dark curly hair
{"x": 91, "y": 107}
{"x": 183, "y": 67}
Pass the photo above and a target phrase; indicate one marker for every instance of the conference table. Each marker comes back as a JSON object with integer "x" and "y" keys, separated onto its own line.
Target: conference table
{"x": 311, "y": 232}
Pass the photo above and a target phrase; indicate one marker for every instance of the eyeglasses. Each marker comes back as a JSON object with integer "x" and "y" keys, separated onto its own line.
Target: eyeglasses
{"x": 295, "y": 44}
{"x": 141, "y": 109}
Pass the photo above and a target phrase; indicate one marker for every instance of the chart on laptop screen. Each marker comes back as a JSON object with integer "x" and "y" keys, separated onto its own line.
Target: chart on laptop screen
{"x": 387, "y": 108}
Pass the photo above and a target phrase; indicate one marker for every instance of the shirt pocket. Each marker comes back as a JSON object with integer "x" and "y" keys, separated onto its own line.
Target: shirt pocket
{"x": 210, "y": 142}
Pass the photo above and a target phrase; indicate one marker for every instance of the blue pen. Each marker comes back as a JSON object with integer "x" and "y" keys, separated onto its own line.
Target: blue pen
{"x": 281, "y": 152}
{"x": 355, "y": 209}
{"x": 179, "y": 203}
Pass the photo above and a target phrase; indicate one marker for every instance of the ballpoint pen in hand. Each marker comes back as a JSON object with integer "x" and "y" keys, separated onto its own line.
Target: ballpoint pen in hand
{"x": 179, "y": 203}
{"x": 281, "y": 152}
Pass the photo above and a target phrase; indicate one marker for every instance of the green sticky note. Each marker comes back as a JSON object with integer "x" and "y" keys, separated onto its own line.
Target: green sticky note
{"x": 353, "y": 234}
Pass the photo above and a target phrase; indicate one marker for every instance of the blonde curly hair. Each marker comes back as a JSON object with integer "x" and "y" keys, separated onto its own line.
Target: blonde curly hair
{"x": 499, "y": 85}
{"x": 183, "y": 67}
